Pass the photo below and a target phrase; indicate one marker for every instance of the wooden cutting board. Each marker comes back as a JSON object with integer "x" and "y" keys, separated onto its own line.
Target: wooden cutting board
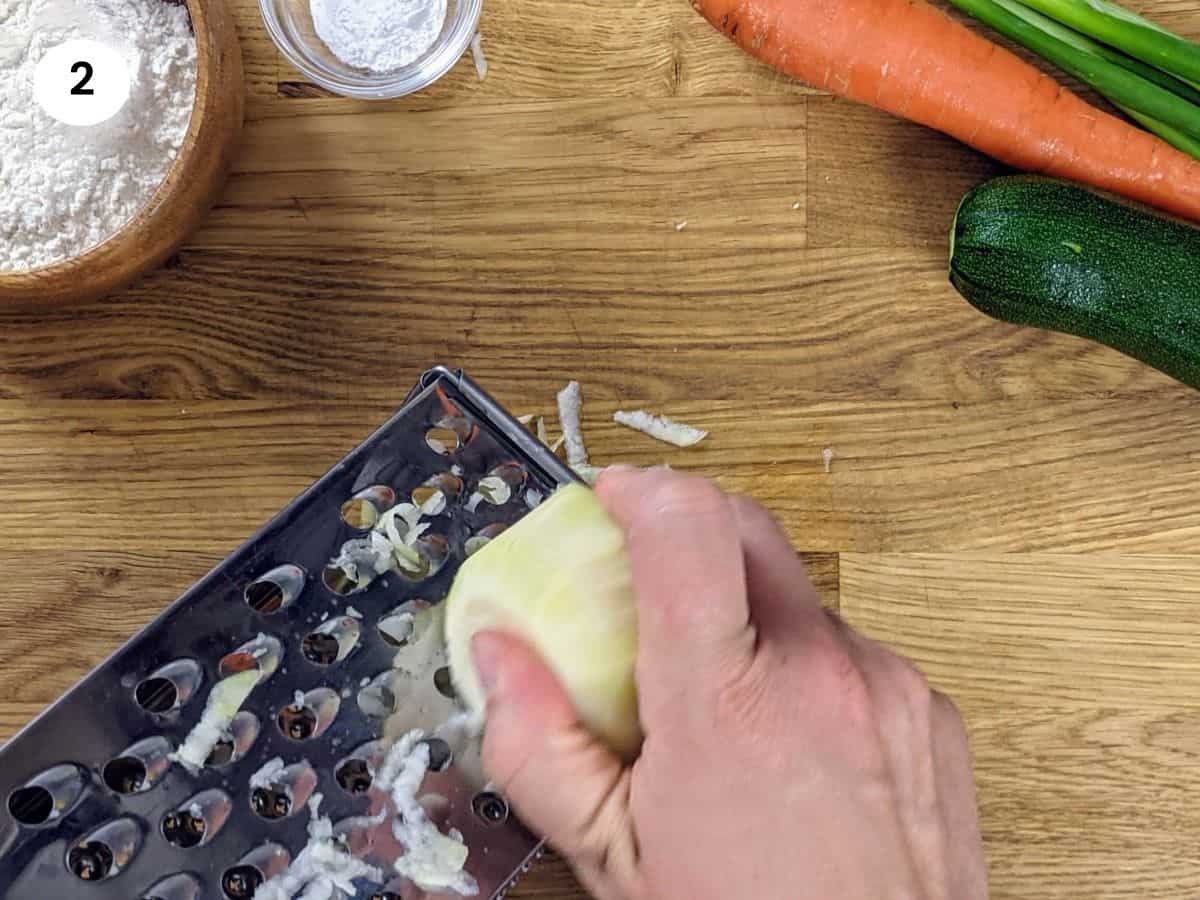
{"x": 629, "y": 201}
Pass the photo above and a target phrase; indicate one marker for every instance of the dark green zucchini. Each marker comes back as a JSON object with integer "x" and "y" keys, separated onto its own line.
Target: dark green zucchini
{"x": 1050, "y": 254}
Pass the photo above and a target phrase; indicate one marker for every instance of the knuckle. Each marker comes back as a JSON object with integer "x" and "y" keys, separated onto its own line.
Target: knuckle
{"x": 687, "y": 496}
{"x": 846, "y": 682}
{"x": 744, "y": 691}
{"x": 913, "y": 684}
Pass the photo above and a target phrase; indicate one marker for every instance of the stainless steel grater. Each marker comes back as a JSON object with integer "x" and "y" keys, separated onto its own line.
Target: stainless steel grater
{"x": 92, "y": 808}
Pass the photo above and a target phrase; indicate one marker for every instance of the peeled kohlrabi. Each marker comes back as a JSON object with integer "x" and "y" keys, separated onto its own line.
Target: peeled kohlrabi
{"x": 560, "y": 580}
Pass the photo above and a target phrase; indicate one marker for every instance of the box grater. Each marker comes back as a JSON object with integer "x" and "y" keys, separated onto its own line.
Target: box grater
{"x": 93, "y": 809}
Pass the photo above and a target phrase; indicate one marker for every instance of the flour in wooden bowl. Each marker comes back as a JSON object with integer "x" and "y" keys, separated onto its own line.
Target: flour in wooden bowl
{"x": 64, "y": 189}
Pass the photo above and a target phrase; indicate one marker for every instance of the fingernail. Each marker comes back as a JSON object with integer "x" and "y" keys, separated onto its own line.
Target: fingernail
{"x": 486, "y": 655}
{"x": 620, "y": 468}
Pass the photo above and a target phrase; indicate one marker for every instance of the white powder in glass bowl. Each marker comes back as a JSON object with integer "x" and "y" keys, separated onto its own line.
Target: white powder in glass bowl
{"x": 378, "y": 35}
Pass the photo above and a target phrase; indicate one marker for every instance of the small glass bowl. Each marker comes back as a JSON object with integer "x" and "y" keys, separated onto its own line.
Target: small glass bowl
{"x": 291, "y": 26}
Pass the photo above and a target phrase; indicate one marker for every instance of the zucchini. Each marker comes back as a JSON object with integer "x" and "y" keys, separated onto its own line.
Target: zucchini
{"x": 1050, "y": 254}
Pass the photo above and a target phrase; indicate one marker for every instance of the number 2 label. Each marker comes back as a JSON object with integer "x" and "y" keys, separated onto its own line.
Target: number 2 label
{"x": 88, "y": 72}
{"x": 81, "y": 82}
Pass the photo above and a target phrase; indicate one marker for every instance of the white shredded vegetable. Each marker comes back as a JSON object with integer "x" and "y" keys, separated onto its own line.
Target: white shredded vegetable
{"x": 435, "y": 505}
{"x": 402, "y": 535}
{"x": 588, "y": 473}
{"x": 481, "y": 63}
{"x": 265, "y": 777}
{"x": 660, "y": 427}
{"x": 827, "y": 459}
{"x": 433, "y": 861}
{"x": 495, "y": 490}
{"x": 224, "y": 702}
{"x": 323, "y": 868}
{"x": 570, "y": 407}
{"x": 363, "y": 559}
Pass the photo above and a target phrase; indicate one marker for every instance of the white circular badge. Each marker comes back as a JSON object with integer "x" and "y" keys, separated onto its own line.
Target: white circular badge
{"x": 81, "y": 82}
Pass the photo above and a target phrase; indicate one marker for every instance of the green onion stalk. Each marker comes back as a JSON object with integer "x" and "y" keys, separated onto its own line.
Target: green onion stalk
{"x": 1164, "y": 104}
{"x": 1129, "y": 33}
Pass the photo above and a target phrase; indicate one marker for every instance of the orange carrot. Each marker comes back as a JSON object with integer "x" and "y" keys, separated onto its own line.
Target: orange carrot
{"x": 911, "y": 59}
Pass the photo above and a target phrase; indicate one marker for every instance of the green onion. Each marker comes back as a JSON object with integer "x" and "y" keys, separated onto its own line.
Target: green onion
{"x": 1157, "y": 100}
{"x": 1127, "y": 32}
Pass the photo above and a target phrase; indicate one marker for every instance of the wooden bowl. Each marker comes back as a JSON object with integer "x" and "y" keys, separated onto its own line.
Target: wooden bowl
{"x": 187, "y": 192}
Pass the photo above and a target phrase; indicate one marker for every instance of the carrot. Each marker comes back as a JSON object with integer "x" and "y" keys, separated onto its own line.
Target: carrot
{"x": 911, "y": 59}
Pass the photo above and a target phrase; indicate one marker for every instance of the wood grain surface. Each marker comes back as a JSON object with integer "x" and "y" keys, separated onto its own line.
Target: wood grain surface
{"x": 630, "y": 201}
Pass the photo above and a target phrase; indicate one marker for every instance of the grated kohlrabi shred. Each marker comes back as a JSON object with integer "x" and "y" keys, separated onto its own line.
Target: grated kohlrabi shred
{"x": 266, "y": 776}
{"x": 432, "y": 860}
{"x": 224, "y": 702}
{"x": 481, "y": 63}
{"x": 323, "y": 868}
{"x": 660, "y": 427}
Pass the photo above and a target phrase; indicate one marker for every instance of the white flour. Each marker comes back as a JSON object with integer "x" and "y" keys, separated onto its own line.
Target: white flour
{"x": 378, "y": 35}
{"x": 64, "y": 189}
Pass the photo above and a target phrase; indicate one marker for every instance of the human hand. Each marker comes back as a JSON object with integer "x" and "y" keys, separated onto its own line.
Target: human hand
{"x": 786, "y": 757}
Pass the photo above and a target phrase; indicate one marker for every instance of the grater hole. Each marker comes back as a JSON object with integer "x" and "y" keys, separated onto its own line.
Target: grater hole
{"x": 426, "y": 494}
{"x": 264, "y": 596}
{"x": 241, "y": 882}
{"x": 336, "y": 579}
{"x": 359, "y": 513}
{"x": 354, "y": 776}
{"x": 222, "y": 753}
{"x": 236, "y": 742}
{"x": 168, "y": 687}
{"x": 385, "y": 895}
{"x": 444, "y": 683}
{"x": 320, "y": 649}
{"x": 483, "y": 537}
{"x": 298, "y": 723}
{"x": 433, "y": 550}
{"x": 499, "y": 486}
{"x": 442, "y": 440}
{"x": 436, "y": 493}
{"x": 181, "y": 886}
{"x": 270, "y": 803}
{"x": 490, "y": 808}
{"x": 139, "y": 766}
{"x": 262, "y": 652}
{"x": 362, "y": 510}
{"x": 182, "y": 829}
{"x": 332, "y": 641}
{"x": 106, "y": 850}
{"x": 511, "y": 473}
{"x": 377, "y": 700}
{"x": 309, "y": 715}
{"x": 440, "y": 754}
{"x": 125, "y": 775}
{"x": 197, "y": 821}
{"x": 408, "y": 623}
{"x": 90, "y": 861}
{"x": 276, "y": 589}
{"x": 156, "y": 695}
{"x": 397, "y": 629}
{"x": 31, "y": 805}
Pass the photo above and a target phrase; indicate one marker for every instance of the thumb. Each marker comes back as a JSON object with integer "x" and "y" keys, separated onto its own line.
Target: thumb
{"x": 563, "y": 782}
